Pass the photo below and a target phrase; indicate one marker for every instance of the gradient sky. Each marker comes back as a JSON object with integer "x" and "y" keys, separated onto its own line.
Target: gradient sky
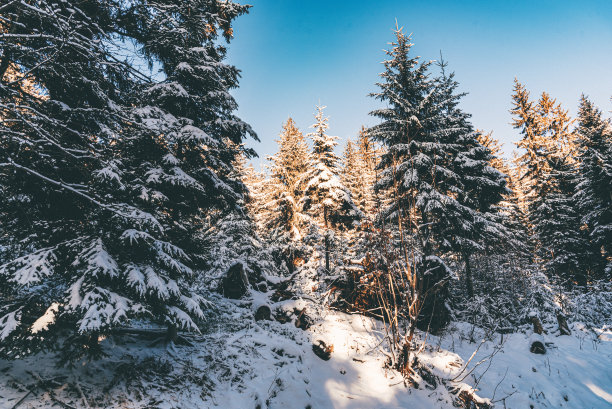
{"x": 294, "y": 54}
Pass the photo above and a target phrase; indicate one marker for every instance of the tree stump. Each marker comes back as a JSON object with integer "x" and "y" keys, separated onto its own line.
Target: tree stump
{"x": 303, "y": 321}
{"x": 263, "y": 313}
{"x": 537, "y": 347}
{"x": 563, "y": 327}
{"x": 322, "y": 350}
{"x": 235, "y": 283}
{"x": 537, "y": 325}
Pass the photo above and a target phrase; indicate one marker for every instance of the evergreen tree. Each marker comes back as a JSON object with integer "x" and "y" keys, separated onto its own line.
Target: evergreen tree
{"x": 532, "y": 161}
{"x": 368, "y": 157}
{"x": 509, "y": 209}
{"x": 410, "y": 170}
{"x": 560, "y": 245}
{"x": 287, "y": 168}
{"x": 565, "y": 249}
{"x": 206, "y": 136}
{"x": 438, "y": 172}
{"x": 281, "y": 217}
{"x": 477, "y": 186}
{"x": 595, "y": 180}
{"x": 52, "y": 142}
{"x": 325, "y": 198}
{"x": 352, "y": 175}
{"x": 126, "y": 173}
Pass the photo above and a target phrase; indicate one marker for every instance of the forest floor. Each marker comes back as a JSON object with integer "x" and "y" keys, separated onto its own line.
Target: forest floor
{"x": 241, "y": 363}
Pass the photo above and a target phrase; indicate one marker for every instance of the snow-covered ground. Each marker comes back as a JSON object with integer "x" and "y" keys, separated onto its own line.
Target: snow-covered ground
{"x": 241, "y": 363}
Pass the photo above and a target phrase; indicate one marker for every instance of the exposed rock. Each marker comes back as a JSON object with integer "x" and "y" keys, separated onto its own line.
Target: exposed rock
{"x": 537, "y": 347}
{"x": 303, "y": 321}
{"x": 263, "y": 313}
{"x": 469, "y": 400}
{"x": 235, "y": 283}
{"x": 282, "y": 316}
{"x": 322, "y": 350}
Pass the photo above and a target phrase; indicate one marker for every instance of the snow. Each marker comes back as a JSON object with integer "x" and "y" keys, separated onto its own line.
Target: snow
{"x": 42, "y": 323}
{"x": 31, "y": 268}
{"x": 97, "y": 261}
{"x": 575, "y": 367}
{"x": 104, "y": 308}
{"x": 8, "y": 324}
{"x": 241, "y": 363}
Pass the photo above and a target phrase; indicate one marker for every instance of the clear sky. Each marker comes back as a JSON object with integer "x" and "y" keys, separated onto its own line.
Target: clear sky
{"x": 294, "y": 54}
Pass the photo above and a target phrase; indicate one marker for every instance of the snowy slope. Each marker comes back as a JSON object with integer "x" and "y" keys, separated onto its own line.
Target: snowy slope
{"x": 240, "y": 363}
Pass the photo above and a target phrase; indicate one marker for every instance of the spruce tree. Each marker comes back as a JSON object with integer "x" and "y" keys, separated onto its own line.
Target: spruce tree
{"x": 594, "y": 181}
{"x": 325, "y": 198}
{"x": 477, "y": 186}
{"x": 367, "y": 158}
{"x": 409, "y": 171}
{"x": 509, "y": 210}
{"x": 61, "y": 100}
{"x": 287, "y": 168}
{"x": 281, "y": 217}
{"x": 560, "y": 245}
{"x": 352, "y": 175}
{"x": 444, "y": 188}
{"x": 565, "y": 250}
{"x": 127, "y": 171}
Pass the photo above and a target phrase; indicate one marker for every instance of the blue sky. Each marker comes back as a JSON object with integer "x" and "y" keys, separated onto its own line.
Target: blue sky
{"x": 294, "y": 54}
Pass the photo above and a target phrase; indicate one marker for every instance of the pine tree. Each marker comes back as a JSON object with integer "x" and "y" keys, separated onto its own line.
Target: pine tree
{"x": 594, "y": 181}
{"x": 287, "y": 168}
{"x": 352, "y": 175}
{"x": 61, "y": 99}
{"x": 509, "y": 209}
{"x": 368, "y": 156}
{"x": 438, "y": 172}
{"x": 325, "y": 198}
{"x": 409, "y": 172}
{"x": 128, "y": 170}
{"x": 488, "y": 141}
{"x": 526, "y": 119}
{"x": 560, "y": 245}
{"x": 208, "y": 138}
{"x": 565, "y": 250}
{"x": 477, "y": 186}
{"x": 282, "y": 220}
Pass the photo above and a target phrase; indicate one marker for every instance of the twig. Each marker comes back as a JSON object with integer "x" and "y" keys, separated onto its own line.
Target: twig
{"x": 78, "y": 387}
{"x": 23, "y": 398}
{"x": 499, "y": 383}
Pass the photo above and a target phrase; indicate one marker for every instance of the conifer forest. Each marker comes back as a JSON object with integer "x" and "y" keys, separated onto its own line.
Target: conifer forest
{"x": 149, "y": 258}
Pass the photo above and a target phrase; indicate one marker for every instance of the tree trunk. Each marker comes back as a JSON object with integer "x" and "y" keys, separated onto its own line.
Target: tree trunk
{"x": 563, "y": 327}
{"x": 172, "y": 333}
{"x": 468, "y": 276}
{"x": 537, "y": 325}
{"x": 326, "y": 239}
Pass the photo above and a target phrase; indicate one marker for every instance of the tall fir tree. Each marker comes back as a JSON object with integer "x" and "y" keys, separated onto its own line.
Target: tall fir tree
{"x": 325, "y": 198}
{"x": 136, "y": 167}
{"x": 52, "y": 144}
{"x": 287, "y": 168}
{"x": 510, "y": 211}
{"x": 282, "y": 219}
{"x": 438, "y": 172}
{"x": 593, "y": 191}
{"x": 564, "y": 250}
{"x": 368, "y": 155}
{"x": 409, "y": 171}
{"x": 560, "y": 246}
{"x": 352, "y": 175}
{"x": 477, "y": 186}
